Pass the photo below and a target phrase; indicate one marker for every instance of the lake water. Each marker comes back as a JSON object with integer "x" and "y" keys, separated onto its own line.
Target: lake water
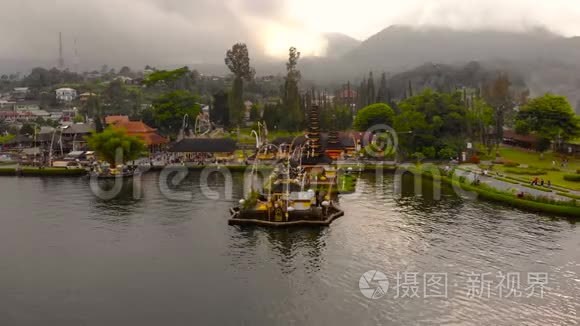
{"x": 69, "y": 258}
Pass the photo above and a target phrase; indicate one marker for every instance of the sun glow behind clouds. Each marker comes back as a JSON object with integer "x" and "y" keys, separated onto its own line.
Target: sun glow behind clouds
{"x": 277, "y": 39}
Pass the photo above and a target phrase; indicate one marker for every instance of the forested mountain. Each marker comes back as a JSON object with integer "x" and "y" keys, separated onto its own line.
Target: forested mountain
{"x": 340, "y": 44}
{"x": 543, "y": 61}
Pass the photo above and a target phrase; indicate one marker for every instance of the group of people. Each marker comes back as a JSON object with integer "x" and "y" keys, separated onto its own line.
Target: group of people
{"x": 540, "y": 182}
{"x": 563, "y": 163}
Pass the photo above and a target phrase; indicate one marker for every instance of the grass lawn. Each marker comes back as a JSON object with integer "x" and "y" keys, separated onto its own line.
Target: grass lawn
{"x": 532, "y": 159}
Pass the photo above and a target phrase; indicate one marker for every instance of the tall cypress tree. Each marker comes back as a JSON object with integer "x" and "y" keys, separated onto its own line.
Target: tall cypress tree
{"x": 382, "y": 94}
{"x": 371, "y": 93}
{"x": 238, "y": 61}
{"x": 295, "y": 116}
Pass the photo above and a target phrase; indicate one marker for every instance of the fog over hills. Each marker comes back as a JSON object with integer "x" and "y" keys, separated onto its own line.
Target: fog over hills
{"x": 545, "y": 61}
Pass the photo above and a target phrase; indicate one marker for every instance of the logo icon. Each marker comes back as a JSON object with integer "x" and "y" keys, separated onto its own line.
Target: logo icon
{"x": 373, "y": 284}
{"x": 380, "y": 141}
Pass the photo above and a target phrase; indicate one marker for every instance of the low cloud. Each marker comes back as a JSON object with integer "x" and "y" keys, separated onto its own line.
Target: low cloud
{"x": 177, "y": 32}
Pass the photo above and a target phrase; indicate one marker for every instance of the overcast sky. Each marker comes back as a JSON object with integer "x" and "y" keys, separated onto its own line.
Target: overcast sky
{"x": 165, "y": 32}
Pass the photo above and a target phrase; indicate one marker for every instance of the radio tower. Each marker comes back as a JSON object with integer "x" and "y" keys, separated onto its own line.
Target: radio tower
{"x": 60, "y": 57}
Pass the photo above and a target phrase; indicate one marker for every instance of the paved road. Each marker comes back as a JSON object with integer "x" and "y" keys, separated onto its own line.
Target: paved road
{"x": 506, "y": 186}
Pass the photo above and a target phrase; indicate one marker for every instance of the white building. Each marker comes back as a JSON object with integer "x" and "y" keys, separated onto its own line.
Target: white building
{"x": 27, "y": 106}
{"x": 66, "y": 94}
{"x": 20, "y": 93}
{"x": 7, "y": 105}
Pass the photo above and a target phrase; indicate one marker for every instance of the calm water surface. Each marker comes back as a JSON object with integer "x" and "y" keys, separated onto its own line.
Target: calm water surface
{"x": 69, "y": 258}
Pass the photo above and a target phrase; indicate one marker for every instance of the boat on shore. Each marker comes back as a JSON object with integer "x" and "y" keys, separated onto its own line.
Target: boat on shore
{"x": 104, "y": 171}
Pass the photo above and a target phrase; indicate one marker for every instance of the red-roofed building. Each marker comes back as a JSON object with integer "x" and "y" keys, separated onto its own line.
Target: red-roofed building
{"x": 113, "y": 119}
{"x": 138, "y": 128}
{"x": 510, "y": 137}
{"x": 348, "y": 94}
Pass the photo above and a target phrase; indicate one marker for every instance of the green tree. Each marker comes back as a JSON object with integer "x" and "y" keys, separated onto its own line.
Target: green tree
{"x": 4, "y": 126}
{"x": 78, "y": 118}
{"x": 447, "y": 153}
{"x": 497, "y": 94}
{"x": 238, "y": 61}
{"x": 371, "y": 93}
{"x": 382, "y": 95}
{"x": 27, "y": 129}
{"x": 551, "y": 117}
{"x": 169, "y": 109}
{"x": 336, "y": 117}
{"x": 374, "y": 114}
{"x": 255, "y": 112}
{"x": 273, "y": 115}
{"x": 432, "y": 119}
{"x": 480, "y": 117}
{"x": 6, "y": 138}
{"x": 294, "y": 116}
{"x": 116, "y": 95}
{"x": 113, "y": 146}
{"x": 219, "y": 113}
{"x": 126, "y": 71}
{"x": 178, "y": 79}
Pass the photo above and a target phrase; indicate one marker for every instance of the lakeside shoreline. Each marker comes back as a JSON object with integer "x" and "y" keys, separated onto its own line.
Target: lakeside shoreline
{"x": 493, "y": 194}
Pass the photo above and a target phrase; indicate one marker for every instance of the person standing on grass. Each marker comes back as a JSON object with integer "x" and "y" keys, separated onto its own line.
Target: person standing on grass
{"x": 549, "y": 184}
{"x": 542, "y": 182}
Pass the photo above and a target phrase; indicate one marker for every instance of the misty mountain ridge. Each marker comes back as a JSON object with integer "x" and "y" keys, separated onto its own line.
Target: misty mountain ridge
{"x": 545, "y": 61}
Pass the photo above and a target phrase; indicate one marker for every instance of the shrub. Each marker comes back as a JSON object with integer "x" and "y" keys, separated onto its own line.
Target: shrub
{"x": 447, "y": 153}
{"x": 251, "y": 201}
{"x": 511, "y": 164}
{"x": 429, "y": 152}
{"x": 526, "y": 171}
{"x": 486, "y": 166}
{"x": 30, "y": 171}
{"x": 419, "y": 156}
{"x": 506, "y": 163}
{"x": 572, "y": 177}
{"x": 507, "y": 180}
{"x": 538, "y": 188}
{"x": 569, "y": 195}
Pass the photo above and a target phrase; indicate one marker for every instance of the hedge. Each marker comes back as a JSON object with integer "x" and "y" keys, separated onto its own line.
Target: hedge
{"x": 507, "y": 180}
{"x": 572, "y": 177}
{"x": 508, "y": 199}
{"x": 31, "y": 171}
{"x": 527, "y": 171}
{"x": 569, "y": 195}
{"x": 538, "y": 188}
{"x": 7, "y": 171}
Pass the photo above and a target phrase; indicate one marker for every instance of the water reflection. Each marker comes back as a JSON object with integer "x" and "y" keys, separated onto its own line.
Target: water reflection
{"x": 179, "y": 262}
{"x": 120, "y": 208}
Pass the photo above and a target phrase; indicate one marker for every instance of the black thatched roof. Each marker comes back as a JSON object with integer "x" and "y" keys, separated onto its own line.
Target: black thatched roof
{"x": 317, "y": 160}
{"x": 79, "y": 128}
{"x": 204, "y": 145}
